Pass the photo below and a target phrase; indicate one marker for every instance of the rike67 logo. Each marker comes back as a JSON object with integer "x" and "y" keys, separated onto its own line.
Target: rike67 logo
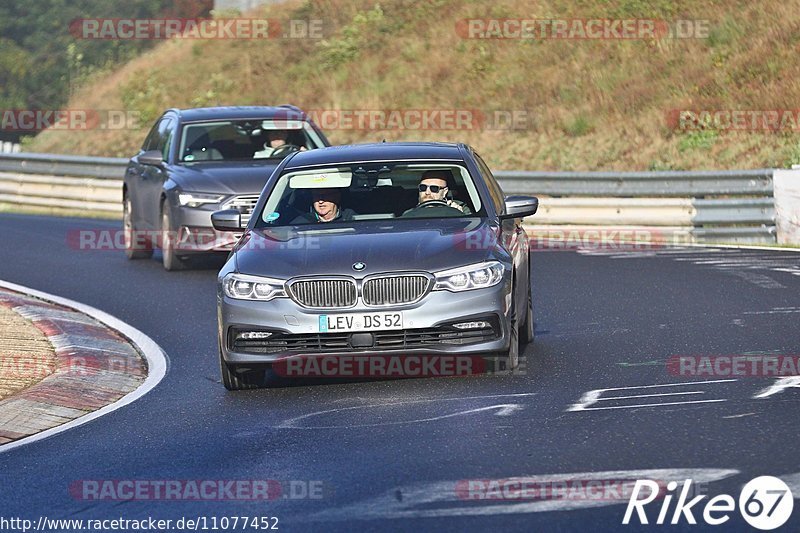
{"x": 765, "y": 503}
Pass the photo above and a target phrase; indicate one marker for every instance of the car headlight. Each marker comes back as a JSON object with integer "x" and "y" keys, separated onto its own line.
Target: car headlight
{"x": 470, "y": 277}
{"x": 243, "y": 287}
{"x": 195, "y": 199}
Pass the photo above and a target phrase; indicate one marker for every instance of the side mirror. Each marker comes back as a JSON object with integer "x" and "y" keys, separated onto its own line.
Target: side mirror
{"x": 520, "y": 206}
{"x": 227, "y": 220}
{"x": 151, "y": 157}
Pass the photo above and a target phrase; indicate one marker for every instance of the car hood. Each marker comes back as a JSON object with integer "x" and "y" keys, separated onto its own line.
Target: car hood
{"x": 241, "y": 177}
{"x": 399, "y": 245}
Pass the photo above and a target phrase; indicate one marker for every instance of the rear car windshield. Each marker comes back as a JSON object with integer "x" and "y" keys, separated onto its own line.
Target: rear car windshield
{"x": 242, "y": 140}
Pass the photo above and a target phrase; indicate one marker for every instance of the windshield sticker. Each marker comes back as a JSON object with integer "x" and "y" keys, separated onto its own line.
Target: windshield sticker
{"x": 272, "y": 217}
{"x": 321, "y": 179}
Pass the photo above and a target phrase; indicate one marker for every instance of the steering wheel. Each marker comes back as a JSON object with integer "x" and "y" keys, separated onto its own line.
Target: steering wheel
{"x": 433, "y": 203}
{"x": 284, "y": 150}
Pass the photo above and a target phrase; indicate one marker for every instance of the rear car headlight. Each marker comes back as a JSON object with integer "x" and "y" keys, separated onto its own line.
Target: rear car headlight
{"x": 195, "y": 199}
{"x": 470, "y": 277}
{"x": 243, "y": 287}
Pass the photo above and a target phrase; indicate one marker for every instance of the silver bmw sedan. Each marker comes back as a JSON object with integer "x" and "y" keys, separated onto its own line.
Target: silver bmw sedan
{"x": 406, "y": 250}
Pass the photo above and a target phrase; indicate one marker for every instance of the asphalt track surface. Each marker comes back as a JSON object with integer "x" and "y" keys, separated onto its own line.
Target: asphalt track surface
{"x": 388, "y": 453}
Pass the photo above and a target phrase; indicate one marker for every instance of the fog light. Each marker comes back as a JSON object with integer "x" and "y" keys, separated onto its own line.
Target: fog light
{"x": 250, "y": 335}
{"x": 184, "y": 234}
{"x": 480, "y": 324}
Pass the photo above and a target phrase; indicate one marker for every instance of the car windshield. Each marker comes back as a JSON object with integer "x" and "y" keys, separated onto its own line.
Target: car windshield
{"x": 371, "y": 191}
{"x": 243, "y": 140}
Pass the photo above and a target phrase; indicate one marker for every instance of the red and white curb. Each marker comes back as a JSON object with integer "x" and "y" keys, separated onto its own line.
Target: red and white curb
{"x": 102, "y": 364}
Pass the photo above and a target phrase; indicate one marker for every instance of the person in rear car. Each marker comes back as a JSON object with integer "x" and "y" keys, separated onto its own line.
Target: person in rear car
{"x": 274, "y": 140}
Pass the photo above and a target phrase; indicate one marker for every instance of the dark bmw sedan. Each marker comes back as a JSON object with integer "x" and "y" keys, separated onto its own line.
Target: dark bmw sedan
{"x": 373, "y": 250}
{"x": 197, "y": 161}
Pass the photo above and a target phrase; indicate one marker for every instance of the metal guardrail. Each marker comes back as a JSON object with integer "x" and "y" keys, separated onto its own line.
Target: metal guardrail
{"x": 630, "y": 184}
{"x": 715, "y": 205}
{"x": 64, "y": 165}
{"x": 712, "y": 206}
{"x": 63, "y": 183}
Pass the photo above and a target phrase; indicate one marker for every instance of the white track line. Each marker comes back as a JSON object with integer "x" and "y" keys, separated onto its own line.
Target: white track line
{"x": 649, "y": 405}
{"x": 682, "y": 384}
{"x": 291, "y": 423}
{"x": 650, "y": 395}
{"x": 740, "y": 247}
{"x": 157, "y": 362}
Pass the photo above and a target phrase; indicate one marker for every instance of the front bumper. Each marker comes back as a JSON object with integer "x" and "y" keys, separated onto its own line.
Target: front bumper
{"x": 426, "y": 327}
{"x": 193, "y": 232}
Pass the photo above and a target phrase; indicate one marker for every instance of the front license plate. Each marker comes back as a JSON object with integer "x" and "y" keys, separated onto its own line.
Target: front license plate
{"x": 360, "y": 322}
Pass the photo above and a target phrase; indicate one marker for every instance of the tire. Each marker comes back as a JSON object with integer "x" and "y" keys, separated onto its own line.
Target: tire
{"x": 169, "y": 256}
{"x": 509, "y": 360}
{"x": 527, "y": 332}
{"x": 128, "y": 230}
{"x": 233, "y": 380}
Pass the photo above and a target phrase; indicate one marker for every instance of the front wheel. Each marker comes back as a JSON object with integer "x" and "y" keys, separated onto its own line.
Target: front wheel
{"x": 248, "y": 380}
{"x": 509, "y": 360}
{"x": 527, "y": 332}
{"x": 169, "y": 256}
{"x": 132, "y": 242}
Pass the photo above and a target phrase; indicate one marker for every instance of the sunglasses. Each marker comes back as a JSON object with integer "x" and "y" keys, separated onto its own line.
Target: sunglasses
{"x": 434, "y": 188}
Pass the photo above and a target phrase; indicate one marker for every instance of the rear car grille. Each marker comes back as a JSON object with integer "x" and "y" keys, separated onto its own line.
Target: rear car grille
{"x": 324, "y": 293}
{"x": 244, "y": 204}
{"x": 384, "y": 340}
{"x": 397, "y": 289}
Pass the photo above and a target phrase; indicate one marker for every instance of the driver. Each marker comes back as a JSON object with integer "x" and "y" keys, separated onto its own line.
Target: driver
{"x": 274, "y": 140}
{"x": 434, "y": 187}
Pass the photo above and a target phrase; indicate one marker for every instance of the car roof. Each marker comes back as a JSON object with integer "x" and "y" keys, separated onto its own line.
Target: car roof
{"x": 385, "y": 151}
{"x": 240, "y": 113}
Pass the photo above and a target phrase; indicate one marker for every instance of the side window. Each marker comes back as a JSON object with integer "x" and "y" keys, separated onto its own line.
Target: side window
{"x": 164, "y": 137}
{"x": 498, "y": 199}
{"x": 151, "y": 141}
